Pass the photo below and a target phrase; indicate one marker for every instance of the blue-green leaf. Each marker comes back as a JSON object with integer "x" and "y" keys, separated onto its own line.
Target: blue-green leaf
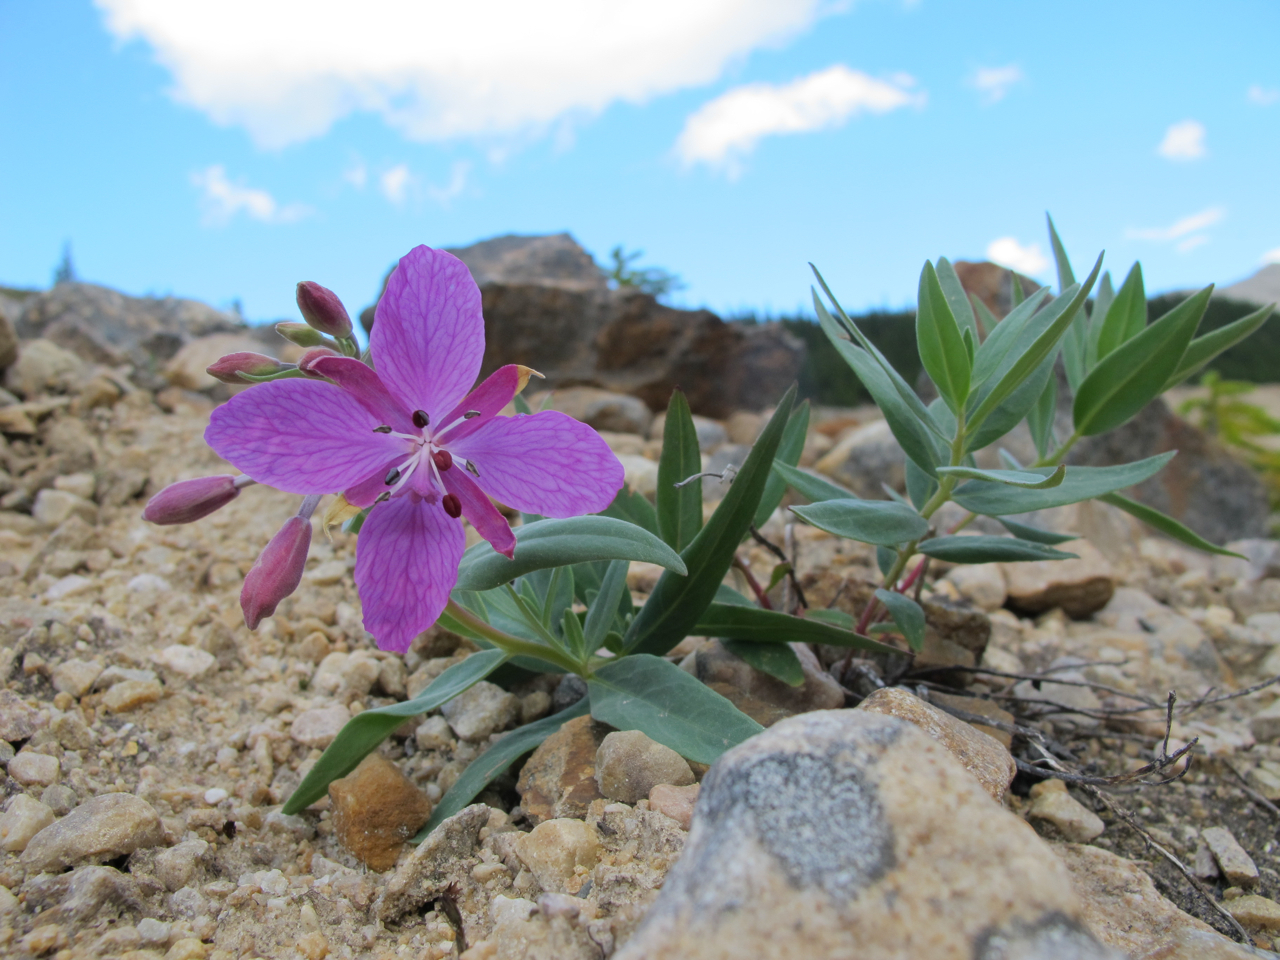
{"x": 941, "y": 344}
{"x": 869, "y": 521}
{"x": 907, "y": 615}
{"x": 732, "y": 621}
{"x": 1040, "y": 419}
{"x": 811, "y": 486}
{"x": 920, "y": 486}
{"x": 991, "y": 356}
{"x": 957, "y": 298}
{"x": 603, "y": 609}
{"x": 1025, "y": 531}
{"x": 1126, "y": 317}
{"x": 789, "y": 451}
{"x": 775, "y": 659}
{"x": 983, "y": 549}
{"x": 679, "y": 508}
{"x": 1080, "y": 483}
{"x": 634, "y": 508}
{"x": 1203, "y": 349}
{"x": 1013, "y": 478}
{"x": 1166, "y": 524}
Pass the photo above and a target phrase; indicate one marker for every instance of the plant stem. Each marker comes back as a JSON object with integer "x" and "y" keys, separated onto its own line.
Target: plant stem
{"x": 512, "y": 645}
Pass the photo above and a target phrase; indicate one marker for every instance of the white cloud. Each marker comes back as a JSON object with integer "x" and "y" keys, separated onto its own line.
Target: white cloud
{"x": 1179, "y": 228}
{"x": 1263, "y": 96}
{"x": 1183, "y": 141}
{"x": 286, "y": 70}
{"x": 396, "y": 183}
{"x": 454, "y": 188}
{"x": 1271, "y": 256}
{"x": 721, "y": 131}
{"x": 221, "y": 200}
{"x": 1008, "y": 252}
{"x": 994, "y": 82}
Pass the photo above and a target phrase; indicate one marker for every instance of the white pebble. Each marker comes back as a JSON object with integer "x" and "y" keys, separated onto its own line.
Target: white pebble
{"x": 215, "y": 796}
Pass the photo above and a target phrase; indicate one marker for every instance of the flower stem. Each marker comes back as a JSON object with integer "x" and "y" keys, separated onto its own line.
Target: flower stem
{"x": 506, "y": 642}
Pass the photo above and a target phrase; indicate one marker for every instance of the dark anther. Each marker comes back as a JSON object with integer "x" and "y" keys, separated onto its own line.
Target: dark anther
{"x": 452, "y": 505}
{"x": 420, "y": 419}
{"x": 382, "y": 429}
{"x": 385, "y": 495}
{"x": 471, "y": 415}
{"x": 392, "y": 477}
{"x": 443, "y": 459}
{"x": 471, "y": 468}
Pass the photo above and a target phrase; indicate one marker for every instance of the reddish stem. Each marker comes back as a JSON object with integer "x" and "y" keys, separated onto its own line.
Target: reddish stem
{"x": 753, "y": 583}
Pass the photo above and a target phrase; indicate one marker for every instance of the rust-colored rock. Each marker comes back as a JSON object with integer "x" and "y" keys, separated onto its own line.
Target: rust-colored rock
{"x": 375, "y": 810}
{"x": 992, "y": 284}
{"x": 1080, "y": 587}
{"x": 559, "y": 779}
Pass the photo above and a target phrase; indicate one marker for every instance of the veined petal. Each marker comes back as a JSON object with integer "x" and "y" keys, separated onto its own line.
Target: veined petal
{"x": 428, "y": 332}
{"x": 300, "y": 436}
{"x": 360, "y": 380}
{"x": 480, "y": 511}
{"x": 406, "y": 563}
{"x": 545, "y": 463}
{"x": 488, "y": 399}
{"x": 364, "y": 493}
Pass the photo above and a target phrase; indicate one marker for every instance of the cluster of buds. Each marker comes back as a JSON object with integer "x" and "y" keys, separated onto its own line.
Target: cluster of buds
{"x": 278, "y": 570}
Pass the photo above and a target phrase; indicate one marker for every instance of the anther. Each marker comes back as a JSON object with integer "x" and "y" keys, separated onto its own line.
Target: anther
{"x": 392, "y": 477}
{"x": 385, "y": 495}
{"x": 420, "y": 419}
{"x": 471, "y": 468}
{"x": 443, "y": 459}
{"x": 385, "y": 428}
{"x": 452, "y": 505}
{"x": 471, "y": 415}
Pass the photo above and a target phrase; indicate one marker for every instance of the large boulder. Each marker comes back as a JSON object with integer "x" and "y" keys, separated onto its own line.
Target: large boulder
{"x": 992, "y": 284}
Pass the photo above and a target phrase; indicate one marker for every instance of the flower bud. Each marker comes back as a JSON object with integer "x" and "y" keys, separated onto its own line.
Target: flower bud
{"x": 311, "y": 356}
{"x": 277, "y": 571}
{"x": 322, "y": 310}
{"x": 303, "y": 335}
{"x": 189, "y": 500}
{"x": 229, "y": 368}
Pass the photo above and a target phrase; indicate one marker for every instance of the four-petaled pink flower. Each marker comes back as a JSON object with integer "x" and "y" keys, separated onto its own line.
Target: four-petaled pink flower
{"x": 411, "y": 442}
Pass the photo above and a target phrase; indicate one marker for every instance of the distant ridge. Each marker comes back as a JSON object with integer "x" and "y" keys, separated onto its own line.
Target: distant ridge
{"x": 1263, "y": 287}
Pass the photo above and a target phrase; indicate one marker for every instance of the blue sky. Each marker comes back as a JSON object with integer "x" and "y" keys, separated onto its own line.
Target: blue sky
{"x": 226, "y": 150}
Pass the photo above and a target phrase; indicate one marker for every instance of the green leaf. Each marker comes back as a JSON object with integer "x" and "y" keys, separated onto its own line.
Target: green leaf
{"x": 1040, "y": 419}
{"x": 1165, "y": 524}
{"x": 634, "y": 508}
{"x": 775, "y": 659}
{"x": 553, "y": 543}
{"x": 907, "y": 615}
{"x": 942, "y": 349}
{"x": 1018, "y": 405}
{"x": 789, "y": 451}
{"x": 1025, "y": 531}
{"x": 574, "y": 641}
{"x": 1065, "y": 275}
{"x": 363, "y": 732}
{"x": 646, "y": 693}
{"x": 731, "y": 596}
{"x": 986, "y": 319}
{"x": 1101, "y": 304}
{"x": 920, "y": 486}
{"x": 603, "y": 609}
{"x": 991, "y": 356}
{"x": 981, "y": 549}
{"x": 1133, "y": 374}
{"x": 730, "y": 621}
{"x": 1080, "y": 483}
{"x": 870, "y": 521}
{"x": 810, "y": 485}
{"x": 521, "y": 404}
{"x": 957, "y": 299}
{"x": 886, "y": 557}
{"x": 1203, "y": 349}
{"x": 1013, "y": 478}
{"x": 1016, "y": 296}
{"x": 679, "y": 508}
{"x": 1127, "y": 315}
{"x": 493, "y": 763}
{"x": 678, "y": 601}
{"x": 833, "y": 617}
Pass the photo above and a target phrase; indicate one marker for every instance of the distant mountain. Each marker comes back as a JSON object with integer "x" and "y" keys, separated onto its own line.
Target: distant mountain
{"x": 1262, "y": 287}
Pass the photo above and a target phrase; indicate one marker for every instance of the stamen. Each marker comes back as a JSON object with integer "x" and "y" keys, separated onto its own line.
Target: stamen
{"x": 385, "y": 428}
{"x": 471, "y": 415}
{"x": 443, "y": 459}
{"x": 471, "y": 468}
{"x": 385, "y": 495}
{"x": 452, "y": 505}
{"x": 392, "y": 477}
{"x": 420, "y": 419}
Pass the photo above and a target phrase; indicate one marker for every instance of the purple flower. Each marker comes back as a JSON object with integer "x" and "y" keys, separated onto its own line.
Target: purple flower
{"x": 190, "y": 500}
{"x": 278, "y": 570}
{"x": 411, "y": 442}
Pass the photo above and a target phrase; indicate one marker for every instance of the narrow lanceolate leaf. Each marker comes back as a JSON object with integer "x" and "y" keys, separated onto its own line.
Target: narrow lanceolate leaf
{"x": 634, "y": 508}
{"x": 1165, "y": 524}
{"x": 574, "y": 640}
{"x": 920, "y": 487}
{"x": 679, "y": 508}
{"x": 493, "y": 763}
{"x": 1135, "y": 373}
{"x": 1075, "y": 339}
{"x": 732, "y": 621}
{"x": 1017, "y": 406}
{"x": 941, "y": 344}
{"x": 677, "y": 601}
{"x": 775, "y": 659}
{"x": 600, "y": 615}
{"x": 789, "y": 451}
{"x": 1025, "y": 531}
{"x": 1127, "y": 315}
{"x": 957, "y": 298}
{"x": 1040, "y": 419}
{"x": 986, "y": 321}
{"x": 1080, "y": 483}
{"x": 1065, "y": 275}
{"x": 870, "y": 521}
{"x": 811, "y": 486}
{"x": 1203, "y": 349}
{"x": 983, "y": 549}
{"x": 652, "y": 695}
{"x": 1013, "y": 478}
{"x": 1101, "y": 304}
{"x": 554, "y": 543}
{"x": 907, "y": 615}
{"x": 363, "y": 732}
{"x": 995, "y": 349}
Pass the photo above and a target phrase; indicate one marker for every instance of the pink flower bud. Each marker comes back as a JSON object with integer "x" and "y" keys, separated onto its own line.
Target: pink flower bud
{"x": 189, "y": 500}
{"x": 311, "y": 356}
{"x": 277, "y": 571}
{"x": 322, "y": 310}
{"x": 303, "y": 335}
{"x": 229, "y": 368}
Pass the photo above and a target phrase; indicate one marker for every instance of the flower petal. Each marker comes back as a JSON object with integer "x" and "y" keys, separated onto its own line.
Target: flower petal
{"x": 360, "y": 380}
{"x": 301, "y": 436}
{"x": 545, "y": 463}
{"x": 406, "y": 563}
{"x": 364, "y": 493}
{"x": 488, "y": 399}
{"x": 480, "y": 511}
{"x": 428, "y": 332}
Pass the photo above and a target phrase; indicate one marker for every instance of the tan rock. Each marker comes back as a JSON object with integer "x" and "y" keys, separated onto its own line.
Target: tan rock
{"x": 1052, "y": 804}
{"x": 982, "y": 584}
{"x": 984, "y": 757}
{"x": 130, "y": 694}
{"x": 75, "y": 677}
{"x": 187, "y": 662}
{"x": 52, "y": 507}
{"x": 713, "y": 663}
{"x": 34, "y": 769}
{"x": 761, "y": 711}
{"x": 18, "y": 719}
{"x": 25, "y": 817}
{"x": 629, "y": 765}
{"x": 376, "y": 809}
{"x": 102, "y": 828}
{"x": 559, "y": 778}
{"x": 1255, "y": 913}
{"x": 559, "y": 853}
{"x": 43, "y": 365}
{"x": 317, "y": 727}
{"x": 1078, "y": 586}
{"x": 1236, "y": 865}
{"x": 979, "y": 707}
{"x": 675, "y": 802}
{"x": 481, "y": 710}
